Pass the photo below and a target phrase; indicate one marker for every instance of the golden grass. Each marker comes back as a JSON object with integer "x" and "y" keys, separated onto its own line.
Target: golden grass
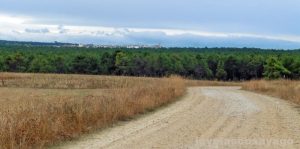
{"x": 210, "y": 83}
{"x": 284, "y": 89}
{"x": 41, "y": 109}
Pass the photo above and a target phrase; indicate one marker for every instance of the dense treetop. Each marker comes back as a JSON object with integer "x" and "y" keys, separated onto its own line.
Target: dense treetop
{"x": 197, "y": 63}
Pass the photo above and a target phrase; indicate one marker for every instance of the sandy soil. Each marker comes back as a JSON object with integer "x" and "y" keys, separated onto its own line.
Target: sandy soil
{"x": 208, "y": 117}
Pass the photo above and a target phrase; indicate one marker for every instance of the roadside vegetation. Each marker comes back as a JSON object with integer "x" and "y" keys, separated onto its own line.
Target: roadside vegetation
{"x": 284, "y": 89}
{"x": 226, "y": 64}
{"x": 41, "y": 109}
{"x": 192, "y": 83}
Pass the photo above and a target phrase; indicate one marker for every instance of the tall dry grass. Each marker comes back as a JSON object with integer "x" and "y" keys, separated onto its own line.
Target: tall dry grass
{"x": 38, "y": 110}
{"x": 210, "y": 83}
{"x": 285, "y": 89}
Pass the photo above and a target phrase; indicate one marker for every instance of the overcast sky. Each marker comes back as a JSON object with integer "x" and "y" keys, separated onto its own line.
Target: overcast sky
{"x": 228, "y": 23}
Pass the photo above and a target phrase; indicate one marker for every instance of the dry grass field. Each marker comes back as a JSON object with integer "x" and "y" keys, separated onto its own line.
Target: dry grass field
{"x": 284, "y": 89}
{"x": 41, "y": 109}
{"x": 37, "y": 110}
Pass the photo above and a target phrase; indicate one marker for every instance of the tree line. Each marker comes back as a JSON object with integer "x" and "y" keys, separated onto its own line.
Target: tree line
{"x": 226, "y": 64}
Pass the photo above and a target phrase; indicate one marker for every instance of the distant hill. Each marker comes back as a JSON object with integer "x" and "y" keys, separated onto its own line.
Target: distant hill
{"x": 29, "y": 43}
{"x": 143, "y": 47}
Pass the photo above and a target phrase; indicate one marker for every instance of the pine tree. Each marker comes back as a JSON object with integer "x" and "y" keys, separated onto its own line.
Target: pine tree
{"x": 274, "y": 69}
{"x": 220, "y": 72}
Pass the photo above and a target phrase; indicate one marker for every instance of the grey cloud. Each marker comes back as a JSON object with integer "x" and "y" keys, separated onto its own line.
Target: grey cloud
{"x": 41, "y": 31}
{"x": 115, "y": 32}
{"x": 16, "y": 32}
{"x": 62, "y": 29}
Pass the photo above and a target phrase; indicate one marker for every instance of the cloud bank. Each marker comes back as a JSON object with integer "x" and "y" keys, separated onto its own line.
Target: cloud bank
{"x": 26, "y": 29}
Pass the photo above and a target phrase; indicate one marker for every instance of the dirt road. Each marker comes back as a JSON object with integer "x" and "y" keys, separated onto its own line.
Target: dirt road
{"x": 207, "y": 117}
